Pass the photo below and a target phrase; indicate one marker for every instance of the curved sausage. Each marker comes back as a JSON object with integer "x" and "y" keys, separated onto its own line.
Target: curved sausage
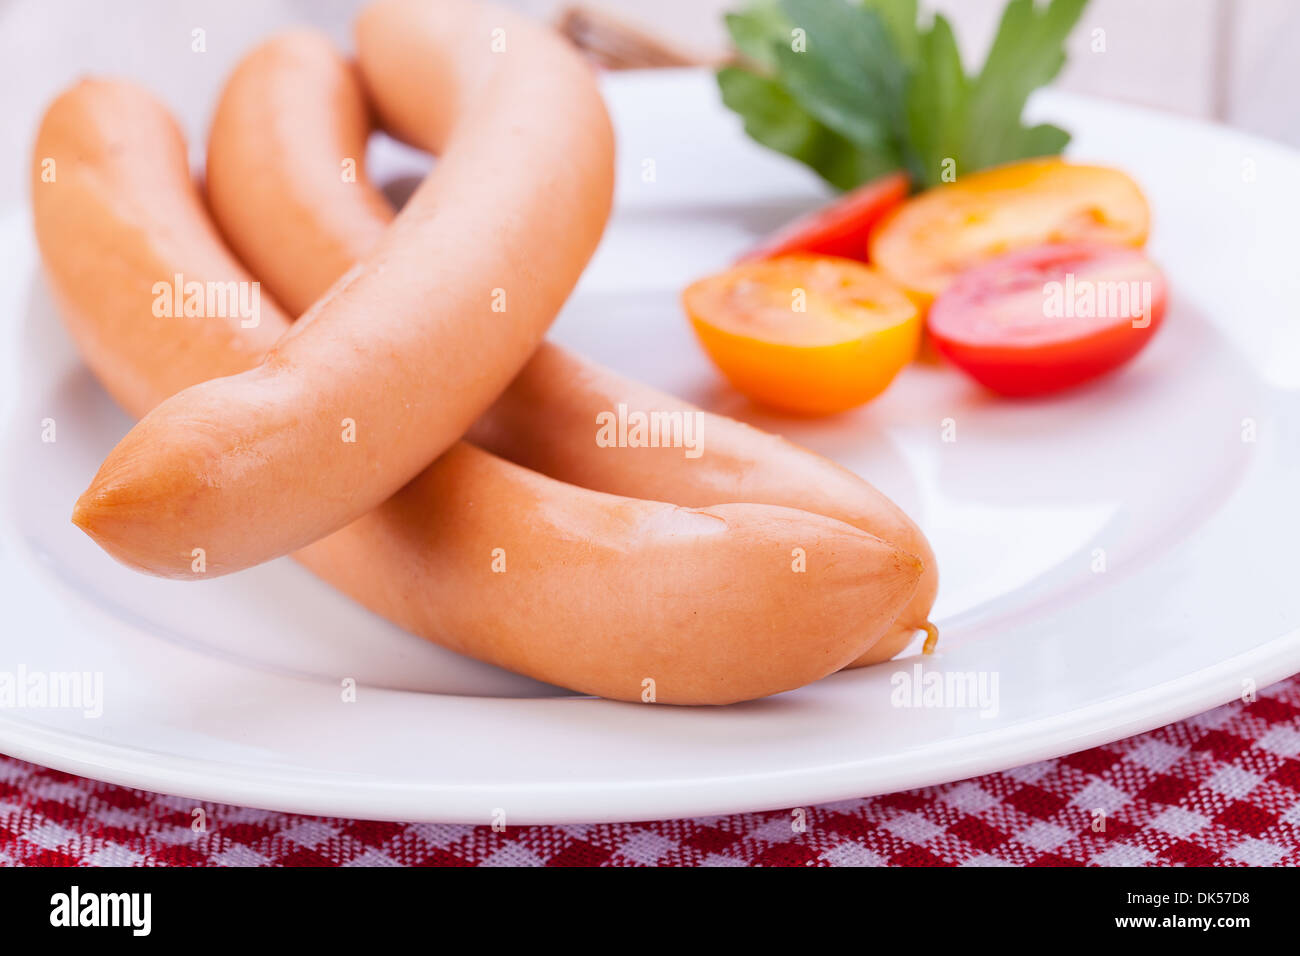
{"x": 413, "y": 344}
{"x": 607, "y": 595}
{"x": 295, "y": 230}
{"x": 292, "y": 112}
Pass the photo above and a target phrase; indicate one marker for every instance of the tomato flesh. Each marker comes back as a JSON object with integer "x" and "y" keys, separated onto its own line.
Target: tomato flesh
{"x": 1050, "y": 318}
{"x": 840, "y": 228}
{"x": 934, "y": 237}
{"x": 812, "y": 335}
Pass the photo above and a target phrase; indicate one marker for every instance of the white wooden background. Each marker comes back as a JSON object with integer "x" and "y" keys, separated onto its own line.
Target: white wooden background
{"x": 1237, "y": 61}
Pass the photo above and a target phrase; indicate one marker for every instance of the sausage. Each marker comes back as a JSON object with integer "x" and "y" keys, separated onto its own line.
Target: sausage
{"x": 328, "y": 212}
{"x": 544, "y": 421}
{"x": 607, "y": 595}
{"x": 291, "y": 113}
{"x": 413, "y": 344}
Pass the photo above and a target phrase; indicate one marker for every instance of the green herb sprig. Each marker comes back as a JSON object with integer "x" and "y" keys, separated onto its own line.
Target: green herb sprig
{"x": 858, "y": 89}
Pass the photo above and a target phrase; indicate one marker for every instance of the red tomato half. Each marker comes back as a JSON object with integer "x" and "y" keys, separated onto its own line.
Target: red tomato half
{"x": 839, "y": 228}
{"x": 1049, "y": 318}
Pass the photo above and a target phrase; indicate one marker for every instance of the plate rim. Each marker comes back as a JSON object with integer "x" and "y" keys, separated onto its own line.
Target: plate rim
{"x": 998, "y": 749}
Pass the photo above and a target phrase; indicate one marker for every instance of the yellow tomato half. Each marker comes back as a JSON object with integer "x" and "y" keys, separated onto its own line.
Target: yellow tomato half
{"x": 807, "y": 334}
{"x": 944, "y": 231}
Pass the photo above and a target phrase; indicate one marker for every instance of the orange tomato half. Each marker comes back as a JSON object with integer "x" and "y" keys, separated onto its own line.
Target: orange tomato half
{"x": 925, "y": 243}
{"x": 806, "y": 334}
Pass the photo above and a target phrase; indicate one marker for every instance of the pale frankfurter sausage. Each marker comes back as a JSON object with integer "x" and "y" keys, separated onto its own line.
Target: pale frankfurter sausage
{"x": 291, "y": 113}
{"x": 607, "y": 595}
{"x": 547, "y": 419}
{"x": 412, "y": 345}
{"x": 327, "y": 212}
{"x": 97, "y": 218}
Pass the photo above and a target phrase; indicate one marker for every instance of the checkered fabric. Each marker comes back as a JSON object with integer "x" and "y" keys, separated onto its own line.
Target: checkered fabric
{"x": 1219, "y": 789}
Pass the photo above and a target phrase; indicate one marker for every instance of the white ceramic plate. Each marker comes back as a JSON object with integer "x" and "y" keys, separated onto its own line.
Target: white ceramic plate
{"x": 230, "y": 690}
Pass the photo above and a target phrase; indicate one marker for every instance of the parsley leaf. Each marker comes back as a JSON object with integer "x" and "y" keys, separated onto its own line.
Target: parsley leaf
{"x": 848, "y": 75}
{"x": 938, "y": 97}
{"x": 899, "y": 18}
{"x": 1028, "y": 52}
{"x": 857, "y": 88}
{"x": 771, "y": 113}
{"x": 757, "y": 30}
{"x": 773, "y": 118}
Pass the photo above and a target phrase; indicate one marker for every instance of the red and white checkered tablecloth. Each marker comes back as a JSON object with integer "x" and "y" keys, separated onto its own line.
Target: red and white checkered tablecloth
{"x": 1222, "y": 788}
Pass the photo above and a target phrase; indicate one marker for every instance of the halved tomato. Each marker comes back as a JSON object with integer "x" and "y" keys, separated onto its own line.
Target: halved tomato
{"x": 944, "y": 231}
{"x": 841, "y": 227}
{"x": 807, "y": 334}
{"x": 1041, "y": 320}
